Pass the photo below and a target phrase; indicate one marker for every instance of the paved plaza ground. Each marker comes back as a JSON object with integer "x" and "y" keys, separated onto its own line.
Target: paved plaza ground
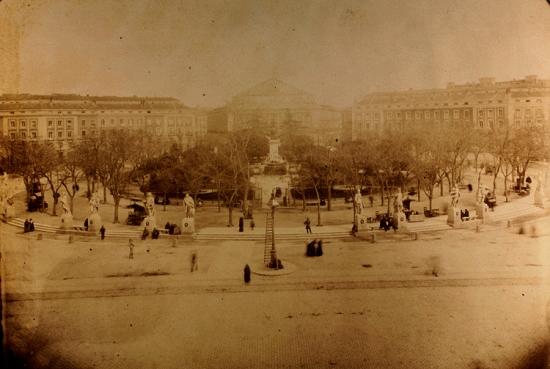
{"x": 457, "y": 298}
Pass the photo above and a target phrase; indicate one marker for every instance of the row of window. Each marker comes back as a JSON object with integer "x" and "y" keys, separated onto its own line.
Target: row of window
{"x": 528, "y": 113}
{"x": 22, "y": 123}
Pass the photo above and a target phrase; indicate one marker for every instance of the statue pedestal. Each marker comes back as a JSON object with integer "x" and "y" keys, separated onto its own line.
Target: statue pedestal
{"x": 361, "y": 221}
{"x": 67, "y": 221}
{"x": 9, "y": 211}
{"x": 94, "y": 222}
{"x": 188, "y": 226}
{"x": 482, "y": 212}
{"x": 453, "y": 217}
{"x": 401, "y": 220}
{"x": 539, "y": 198}
{"x": 149, "y": 223}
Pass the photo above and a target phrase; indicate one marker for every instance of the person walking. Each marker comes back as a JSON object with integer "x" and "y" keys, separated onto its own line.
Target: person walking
{"x": 246, "y": 274}
{"x": 241, "y": 224}
{"x": 194, "y": 261}
{"x": 131, "y": 247}
{"x": 307, "y": 223}
{"x": 102, "y": 232}
{"x": 26, "y": 226}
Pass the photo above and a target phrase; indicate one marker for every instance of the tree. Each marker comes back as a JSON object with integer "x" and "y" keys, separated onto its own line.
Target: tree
{"x": 72, "y": 173}
{"x": 116, "y": 157}
{"x": 27, "y": 159}
{"x": 50, "y": 167}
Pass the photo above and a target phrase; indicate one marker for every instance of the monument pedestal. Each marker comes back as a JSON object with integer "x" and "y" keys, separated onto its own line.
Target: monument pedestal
{"x": 453, "y": 217}
{"x": 482, "y": 212}
{"x": 401, "y": 220}
{"x": 539, "y": 198}
{"x": 149, "y": 223}
{"x": 67, "y": 221}
{"x": 94, "y": 222}
{"x": 188, "y": 226}
{"x": 361, "y": 221}
{"x": 9, "y": 211}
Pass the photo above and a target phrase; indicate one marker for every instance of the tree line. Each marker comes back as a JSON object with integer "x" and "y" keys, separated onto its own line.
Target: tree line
{"x": 381, "y": 162}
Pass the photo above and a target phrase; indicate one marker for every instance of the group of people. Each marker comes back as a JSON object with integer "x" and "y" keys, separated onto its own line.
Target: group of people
{"x": 154, "y": 234}
{"x": 28, "y": 226}
{"x": 314, "y": 248}
{"x": 387, "y": 222}
{"x": 172, "y": 228}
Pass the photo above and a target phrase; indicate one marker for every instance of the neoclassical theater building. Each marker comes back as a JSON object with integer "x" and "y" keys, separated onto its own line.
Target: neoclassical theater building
{"x": 275, "y": 108}
{"x": 482, "y": 105}
{"x": 62, "y": 119}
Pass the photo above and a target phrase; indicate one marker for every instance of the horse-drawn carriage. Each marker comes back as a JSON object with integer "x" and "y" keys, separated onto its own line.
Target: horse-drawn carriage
{"x": 138, "y": 213}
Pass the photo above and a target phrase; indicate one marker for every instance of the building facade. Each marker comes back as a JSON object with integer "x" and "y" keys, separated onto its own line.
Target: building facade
{"x": 62, "y": 119}
{"x": 483, "y": 105}
{"x": 276, "y": 108}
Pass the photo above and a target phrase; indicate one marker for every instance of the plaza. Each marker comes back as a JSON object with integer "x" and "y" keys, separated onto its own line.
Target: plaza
{"x": 431, "y": 297}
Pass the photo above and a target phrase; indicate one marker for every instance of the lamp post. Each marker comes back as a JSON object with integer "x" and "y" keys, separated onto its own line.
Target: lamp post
{"x": 273, "y": 204}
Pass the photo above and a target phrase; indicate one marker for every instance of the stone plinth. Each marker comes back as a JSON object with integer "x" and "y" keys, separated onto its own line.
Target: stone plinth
{"x": 188, "y": 226}
{"x": 67, "y": 221}
{"x": 149, "y": 223}
{"x": 453, "y": 217}
{"x": 9, "y": 211}
{"x": 482, "y": 212}
{"x": 401, "y": 220}
{"x": 361, "y": 221}
{"x": 94, "y": 222}
{"x": 539, "y": 198}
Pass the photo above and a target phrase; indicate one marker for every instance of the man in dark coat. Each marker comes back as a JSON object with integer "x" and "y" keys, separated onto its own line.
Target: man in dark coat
{"x": 241, "y": 224}
{"x": 246, "y": 274}
{"x": 26, "y": 226}
{"x": 102, "y": 232}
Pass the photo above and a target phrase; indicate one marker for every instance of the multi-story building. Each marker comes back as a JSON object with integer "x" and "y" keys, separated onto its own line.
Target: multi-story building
{"x": 64, "y": 118}
{"x": 275, "y": 108}
{"x": 483, "y": 105}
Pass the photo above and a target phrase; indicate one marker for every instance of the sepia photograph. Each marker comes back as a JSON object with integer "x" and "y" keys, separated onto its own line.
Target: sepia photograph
{"x": 242, "y": 184}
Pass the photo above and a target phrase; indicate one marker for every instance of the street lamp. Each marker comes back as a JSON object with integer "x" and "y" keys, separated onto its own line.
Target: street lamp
{"x": 273, "y": 204}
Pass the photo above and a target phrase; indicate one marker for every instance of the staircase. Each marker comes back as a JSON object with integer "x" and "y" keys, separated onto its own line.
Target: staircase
{"x": 268, "y": 238}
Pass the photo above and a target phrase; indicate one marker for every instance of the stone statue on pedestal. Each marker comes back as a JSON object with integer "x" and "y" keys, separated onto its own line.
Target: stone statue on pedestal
{"x": 6, "y": 194}
{"x": 539, "y": 192}
{"x": 66, "y": 217}
{"x": 358, "y": 202}
{"x": 455, "y": 196}
{"x": 150, "y": 221}
{"x": 188, "y": 223}
{"x": 189, "y": 206}
{"x": 94, "y": 219}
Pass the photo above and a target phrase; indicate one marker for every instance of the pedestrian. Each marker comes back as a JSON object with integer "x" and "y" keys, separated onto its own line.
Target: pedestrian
{"x": 246, "y": 274}
{"x": 172, "y": 229}
{"x": 241, "y": 224}
{"x": 145, "y": 233}
{"x": 31, "y": 225}
{"x": 102, "y": 232}
{"x": 86, "y": 224}
{"x": 194, "y": 261}
{"x": 131, "y": 247}
{"x": 155, "y": 234}
{"x": 307, "y": 223}
{"x": 252, "y": 224}
{"x": 371, "y": 200}
{"x": 26, "y": 226}
{"x": 167, "y": 227}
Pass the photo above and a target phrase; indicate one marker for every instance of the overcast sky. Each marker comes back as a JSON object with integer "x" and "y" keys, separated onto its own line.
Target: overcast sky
{"x": 203, "y": 52}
